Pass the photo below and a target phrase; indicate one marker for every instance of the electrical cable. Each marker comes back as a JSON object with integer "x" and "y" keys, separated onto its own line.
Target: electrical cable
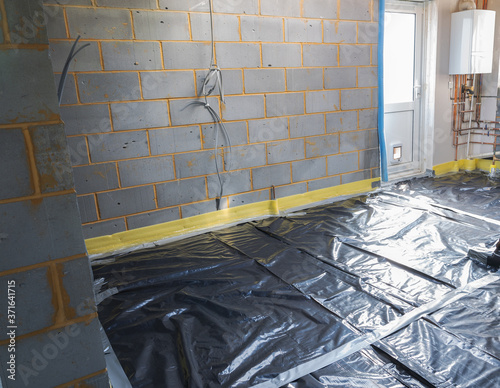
{"x": 71, "y": 56}
{"x": 215, "y": 75}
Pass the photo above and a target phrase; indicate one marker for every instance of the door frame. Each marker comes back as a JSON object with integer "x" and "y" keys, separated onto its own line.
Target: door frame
{"x": 428, "y": 61}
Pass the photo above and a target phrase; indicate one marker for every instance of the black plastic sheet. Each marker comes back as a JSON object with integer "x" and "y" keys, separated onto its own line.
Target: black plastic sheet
{"x": 237, "y": 307}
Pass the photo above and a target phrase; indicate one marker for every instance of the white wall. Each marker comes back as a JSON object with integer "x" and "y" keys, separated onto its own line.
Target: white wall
{"x": 443, "y": 148}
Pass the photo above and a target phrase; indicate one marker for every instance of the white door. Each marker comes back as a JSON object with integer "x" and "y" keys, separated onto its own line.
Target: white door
{"x": 402, "y": 88}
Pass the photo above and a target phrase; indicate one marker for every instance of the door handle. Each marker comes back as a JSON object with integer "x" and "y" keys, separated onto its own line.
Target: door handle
{"x": 417, "y": 92}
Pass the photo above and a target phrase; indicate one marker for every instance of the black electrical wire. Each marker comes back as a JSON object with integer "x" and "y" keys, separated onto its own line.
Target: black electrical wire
{"x": 71, "y": 56}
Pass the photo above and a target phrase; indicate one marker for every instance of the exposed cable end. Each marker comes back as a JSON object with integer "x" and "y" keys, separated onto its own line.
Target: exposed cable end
{"x": 217, "y": 203}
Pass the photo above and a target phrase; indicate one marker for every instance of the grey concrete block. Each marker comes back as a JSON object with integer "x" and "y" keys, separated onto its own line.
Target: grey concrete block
{"x": 55, "y": 234}
{"x": 126, "y": 201}
{"x": 232, "y": 183}
{"x": 88, "y": 59}
{"x": 368, "y": 119}
{"x": 244, "y": 107}
{"x": 226, "y": 27}
{"x": 369, "y": 159}
{"x": 341, "y": 121}
{"x": 356, "y": 176}
{"x": 167, "y": 84}
{"x": 28, "y": 284}
{"x": 204, "y": 207}
{"x": 321, "y": 55}
{"x": 237, "y": 55}
{"x": 232, "y": 82}
{"x": 322, "y": 101}
{"x": 285, "y": 151}
{"x": 280, "y": 7}
{"x": 248, "y": 198}
{"x": 14, "y": 159}
{"x": 192, "y": 112}
{"x": 358, "y": 140}
{"x": 286, "y": 191}
{"x": 104, "y": 228}
{"x": 258, "y": 29}
{"x": 52, "y": 158}
{"x": 343, "y": 163}
{"x": 303, "y": 30}
{"x": 143, "y": 4}
{"x": 305, "y": 170}
{"x": 281, "y": 55}
{"x": 34, "y": 97}
{"x": 307, "y": 125}
{"x": 117, "y": 146}
{"x": 322, "y": 145}
{"x": 161, "y": 25}
{"x": 237, "y": 132}
{"x": 143, "y": 171}
{"x": 368, "y": 33}
{"x": 268, "y": 129}
{"x": 25, "y": 22}
{"x": 247, "y": 156}
{"x": 138, "y": 115}
{"x": 376, "y": 173}
{"x": 196, "y": 164}
{"x": 58, "y": 356}
{"x": 186, "y": 55}
{"x": 367, "y": 76}
{"x": 68, "y": 2}
{"x": 249, "y": 7}
{"x": 78, "y": 150}
{"x": 323, "y": 183}
{"x": 264, "y": 80}
{"x": 131, "y": 55}
{"x": 69, "y": 89}
{"x": 340, "y": 77}
{"x": 267, "y": 176}
{"x": 354, "y": 55}
{"x": 356, "y": 99}
{"x": 87, "y": 208}
{"x": 355, "y": 9}
{"x": 304, "y": 79}
{"x": 77, "y": 281}
{"x": 95, "y": 178}
{"x": 284, "y": 104}
{"x": 181, "y": 191}
{"x": 95, "y": 23}
{"x": 374, "y": 97}
{"x": 56, "y": 26}
{"x": 325, "y": 9}
{"x": 84, "y": 119}
{"x": 153, "y": 218}
{"x": 184, "y": 5}
{"x": 340, "y": 32}
{"x": 104, "y": 87}
{"x": 172, "y": 140}
{"x": 374, "y": 55}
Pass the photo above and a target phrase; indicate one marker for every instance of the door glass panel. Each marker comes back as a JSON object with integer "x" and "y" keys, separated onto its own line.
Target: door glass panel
{"x": 399, "y": 57}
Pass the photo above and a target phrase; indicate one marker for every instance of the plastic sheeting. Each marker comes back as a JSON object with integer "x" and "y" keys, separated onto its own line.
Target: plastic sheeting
{"x": 245, "y": 305}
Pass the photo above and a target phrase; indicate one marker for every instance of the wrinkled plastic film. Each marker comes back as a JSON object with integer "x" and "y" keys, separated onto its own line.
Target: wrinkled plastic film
{"x": 252, "y": 303}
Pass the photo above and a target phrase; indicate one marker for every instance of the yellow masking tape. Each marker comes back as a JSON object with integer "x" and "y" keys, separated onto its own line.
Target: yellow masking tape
{"x": 465, "y": 164}
{"x": 132, "y": 238}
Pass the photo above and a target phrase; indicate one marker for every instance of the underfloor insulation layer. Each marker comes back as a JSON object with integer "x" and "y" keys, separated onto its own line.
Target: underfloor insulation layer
{"x": 379, "y": 290}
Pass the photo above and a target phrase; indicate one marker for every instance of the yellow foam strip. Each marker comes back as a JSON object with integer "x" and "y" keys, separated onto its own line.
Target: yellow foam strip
{"x": 132, "y": 238}
{"x": 465, "y": 164}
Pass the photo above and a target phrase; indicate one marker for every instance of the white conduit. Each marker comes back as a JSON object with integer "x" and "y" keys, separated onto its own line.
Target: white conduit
{"x": 368, "y": 339}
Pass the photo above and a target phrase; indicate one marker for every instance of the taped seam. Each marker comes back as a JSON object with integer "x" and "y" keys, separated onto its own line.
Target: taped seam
{"x": 369, "y": 339}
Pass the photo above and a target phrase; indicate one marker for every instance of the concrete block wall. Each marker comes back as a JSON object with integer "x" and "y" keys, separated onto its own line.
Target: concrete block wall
{"x": 49, "y": 333}
{"x": 300, "y": 79}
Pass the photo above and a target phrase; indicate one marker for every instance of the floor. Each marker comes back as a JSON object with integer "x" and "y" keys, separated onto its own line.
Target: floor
{"x": 379, "y": 290}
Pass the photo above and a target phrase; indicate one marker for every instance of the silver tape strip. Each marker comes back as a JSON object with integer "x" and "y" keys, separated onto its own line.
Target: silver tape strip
{"x": 369, "y": 339}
